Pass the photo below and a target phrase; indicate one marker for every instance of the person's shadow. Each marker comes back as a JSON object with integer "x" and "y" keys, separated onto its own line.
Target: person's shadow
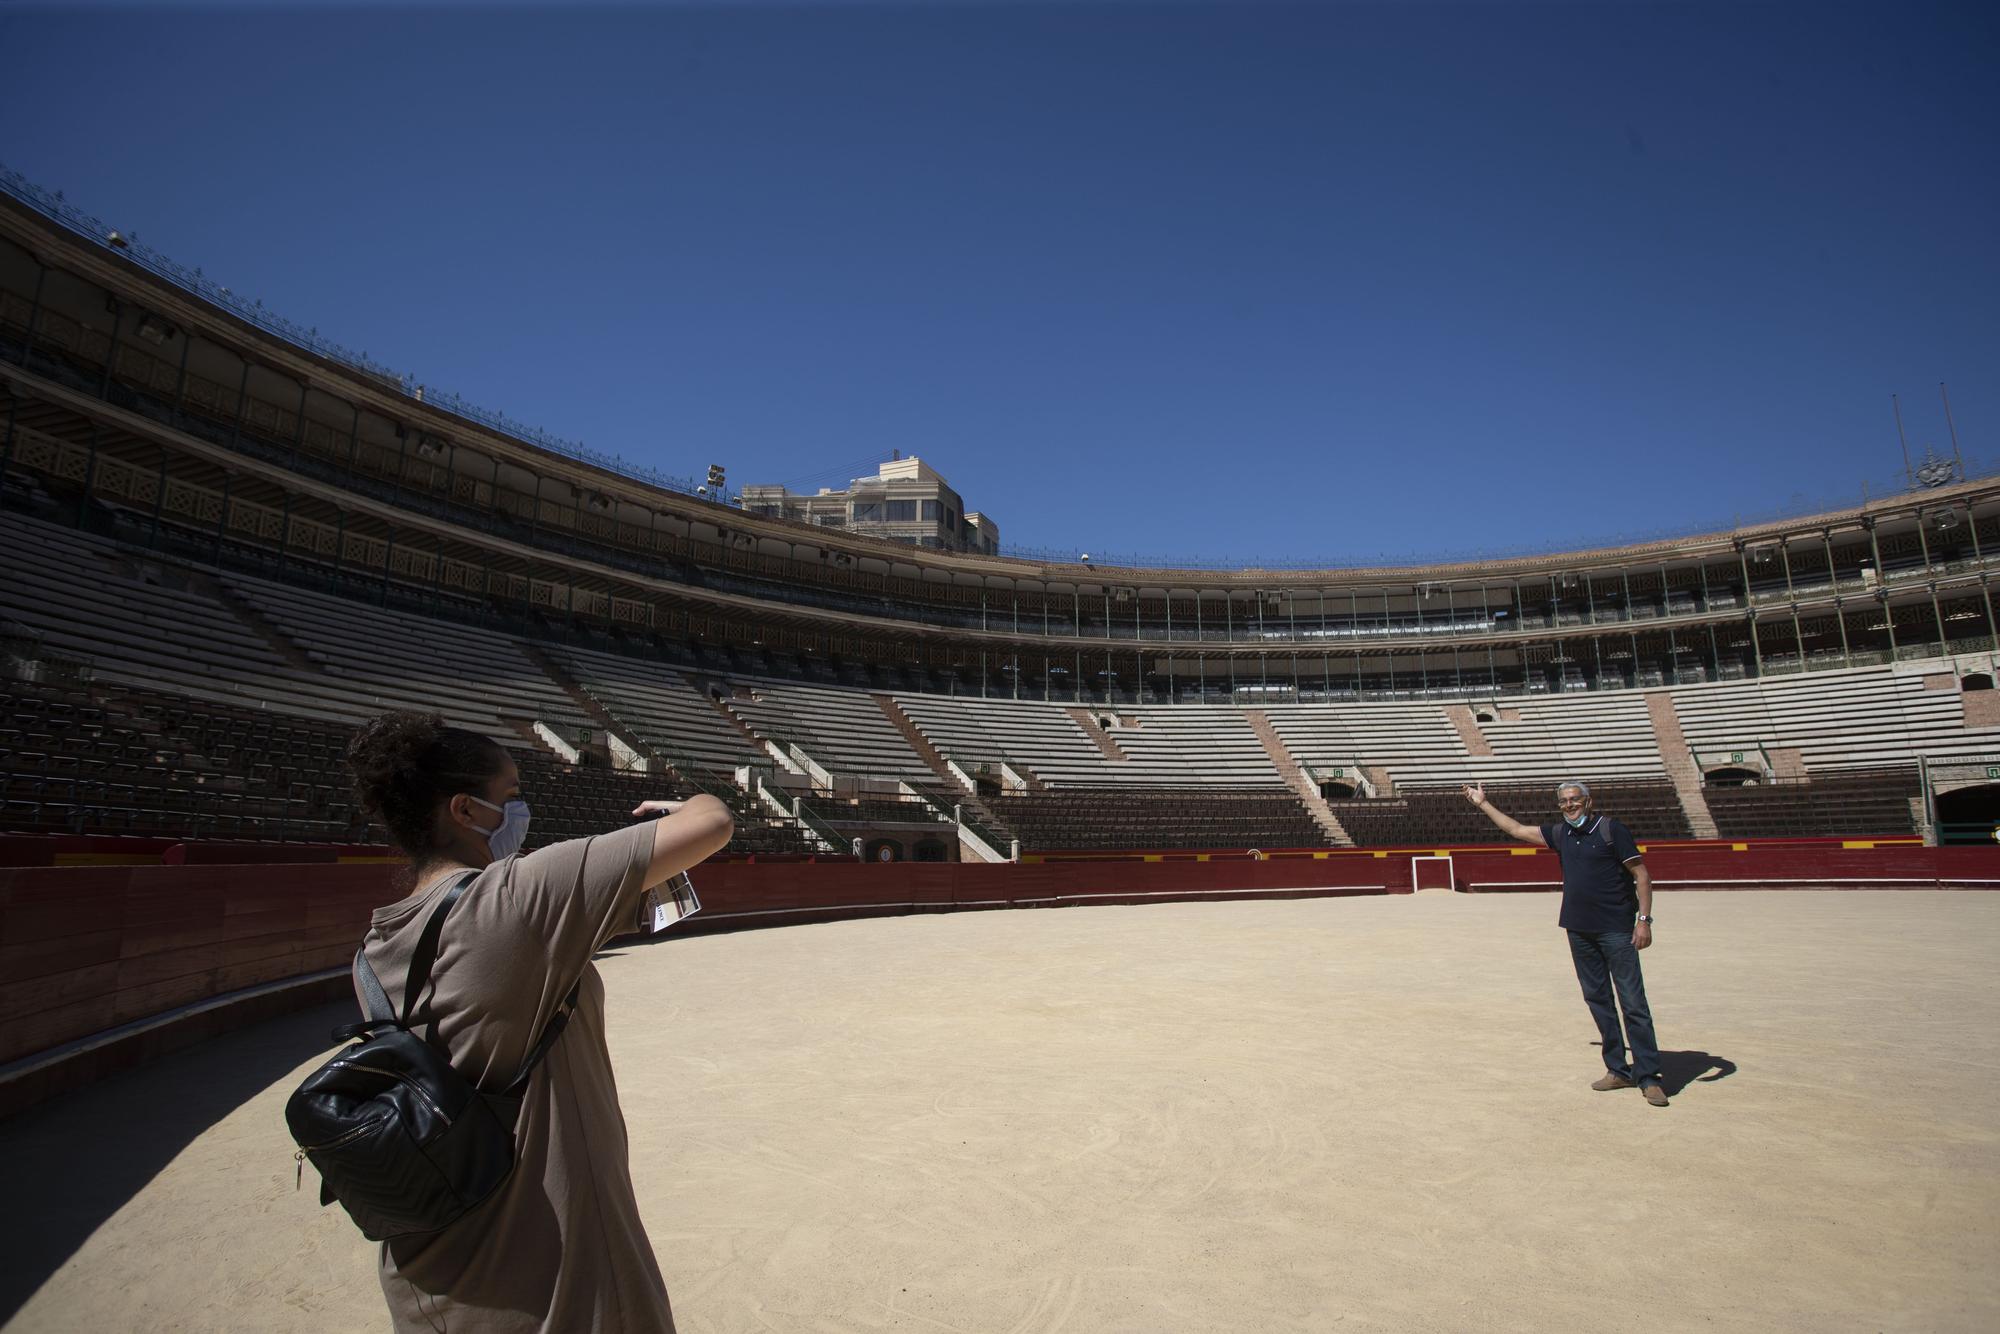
{"x": 1678, "y": 1069}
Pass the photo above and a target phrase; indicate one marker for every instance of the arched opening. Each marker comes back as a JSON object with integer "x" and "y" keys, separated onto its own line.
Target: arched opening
{"x": 1732, "y": 778}
{"x": 1333, "y": 789}
{"x": 1483, "y": 715}
{"x": 930, "y": 850}
{"x": 1976, "y": 681}
{"x": 1969, "y": 815}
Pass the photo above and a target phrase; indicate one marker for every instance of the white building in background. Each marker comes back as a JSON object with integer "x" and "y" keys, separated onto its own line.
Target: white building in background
{"x": 905, "y": 501}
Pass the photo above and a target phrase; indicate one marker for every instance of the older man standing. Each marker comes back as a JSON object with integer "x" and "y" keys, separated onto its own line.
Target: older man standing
{"x": 1607, "y": 908}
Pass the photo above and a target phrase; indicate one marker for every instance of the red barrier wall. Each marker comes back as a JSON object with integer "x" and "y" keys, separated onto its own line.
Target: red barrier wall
{"x": 84, "y": 949}
{"x": 1827, "y": 864}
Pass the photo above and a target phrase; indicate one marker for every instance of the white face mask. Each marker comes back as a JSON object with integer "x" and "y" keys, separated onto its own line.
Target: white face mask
{"x": 506, "y": 839}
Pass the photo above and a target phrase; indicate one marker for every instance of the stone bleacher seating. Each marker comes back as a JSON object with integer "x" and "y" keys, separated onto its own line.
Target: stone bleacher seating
{"x": 844, "y": 731}
{"x": 1850, "y": 802}
{"x": 1189, "y": 745}
{"x": 1036, "y": 737}
{"x": 875, "y": 810}
{"x": 1864, "y": 718}
{"x": 114, "y": 759}
{"x": 135, "y": 623}
{"x": 1128, "y": 816}
{"x": 1443, "y": 817}
{"x": 1172, "y": 747}
{"x": 659, "y": 707}
{"x": 476, "y": 679}
{"x": 1399, "y": 737}
{"x": 1598, "y": 736}
{"x": 219, "y": 704}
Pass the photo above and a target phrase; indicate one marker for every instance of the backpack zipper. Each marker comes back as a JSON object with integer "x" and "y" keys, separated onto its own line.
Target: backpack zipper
{"x": 299, "y": 1158}
{"x": 404, "y": 1079}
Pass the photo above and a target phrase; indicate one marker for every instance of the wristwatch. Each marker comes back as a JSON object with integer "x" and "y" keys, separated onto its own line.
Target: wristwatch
{"x": 1647, "y": 920}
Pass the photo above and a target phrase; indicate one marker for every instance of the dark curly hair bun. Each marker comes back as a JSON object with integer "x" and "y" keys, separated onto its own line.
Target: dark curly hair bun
{"x": 405, "y": 764}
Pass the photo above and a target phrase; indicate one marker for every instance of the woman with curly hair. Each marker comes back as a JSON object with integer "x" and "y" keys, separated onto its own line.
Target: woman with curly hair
{"x": 559, "y": 1247}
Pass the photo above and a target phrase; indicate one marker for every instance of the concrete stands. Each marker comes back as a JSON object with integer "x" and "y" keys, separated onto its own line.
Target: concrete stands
{"x": 1396, "y": 737}
{"x": 1159, "y": 817}
{"x": 116, "y": 759}
{"x": 1037, "y": 737}
{"x": 1849, "y": 801}
{"x": 844, "y": 731}
{"x": 476, "y": 679}
{"x": 658, "y": 706}
{"x": 1867, "y": 717}
{"x": 1189, "y": 745}
{"x": 1172, "y": 747}
{"x": 1529, "y": 739}
{"x": 1441, "y": 818}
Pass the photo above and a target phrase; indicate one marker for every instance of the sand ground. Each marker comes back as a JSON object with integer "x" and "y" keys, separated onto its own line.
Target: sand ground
{"x": 1354, "y": 1114}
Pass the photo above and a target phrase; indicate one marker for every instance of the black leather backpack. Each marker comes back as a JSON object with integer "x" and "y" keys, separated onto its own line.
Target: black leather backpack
{"x": 404, "y": 1142}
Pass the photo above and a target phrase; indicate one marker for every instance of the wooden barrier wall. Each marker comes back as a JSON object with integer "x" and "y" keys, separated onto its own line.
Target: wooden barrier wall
{"x": 85, "y": 949}
{"x": 1824, "y": 864}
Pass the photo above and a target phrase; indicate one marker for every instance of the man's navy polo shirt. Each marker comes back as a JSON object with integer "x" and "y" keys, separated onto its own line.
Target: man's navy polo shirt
{"x": 1597, "y": 889}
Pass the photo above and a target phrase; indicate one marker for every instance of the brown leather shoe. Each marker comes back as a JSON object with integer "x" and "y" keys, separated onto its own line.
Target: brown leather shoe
{"x": 1610, "y": 1082}
{"x": 1655, "y": 1095}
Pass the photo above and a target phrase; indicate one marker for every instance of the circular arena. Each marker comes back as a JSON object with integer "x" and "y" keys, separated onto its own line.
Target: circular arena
{"x": 1316, "y": 1062}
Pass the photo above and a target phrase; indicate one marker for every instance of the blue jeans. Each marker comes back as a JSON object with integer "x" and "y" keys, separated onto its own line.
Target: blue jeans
{"x": 1606, "y": 959}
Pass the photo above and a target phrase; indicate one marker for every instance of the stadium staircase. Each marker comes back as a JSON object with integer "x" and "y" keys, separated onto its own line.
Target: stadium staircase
{"x": 1295, "y": 778}
{"x": 1468, "y": 729}
{"x": 1679, "y": 762}
{"x": 1087, "y": 720}
{"x": 748, "y": 733}
{"x": 948, "y": 791}
{"x": 918, "y": 741}
{"x": 580, "y": 697}
{"x": 281, "y": 644}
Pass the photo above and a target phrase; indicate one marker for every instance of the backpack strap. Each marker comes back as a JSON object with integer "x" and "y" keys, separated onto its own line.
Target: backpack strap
{"x": 427, "y": 945}
{"x": 1604, "y": 831}
{"x": 375, "y": 1006}
{"x": 557, "y": 1023}
{"x": 378, "y": 1011}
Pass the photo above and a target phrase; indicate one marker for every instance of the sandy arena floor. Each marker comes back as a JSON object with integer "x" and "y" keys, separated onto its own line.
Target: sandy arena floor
{"x": 1354, "y": 1114}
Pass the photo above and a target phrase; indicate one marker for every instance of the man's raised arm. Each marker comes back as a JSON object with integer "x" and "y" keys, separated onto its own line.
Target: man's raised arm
{"x": 1527, "y": 833}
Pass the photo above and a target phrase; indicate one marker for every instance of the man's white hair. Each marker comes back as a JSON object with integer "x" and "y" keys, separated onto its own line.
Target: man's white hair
{"x": 1582, "y": 788}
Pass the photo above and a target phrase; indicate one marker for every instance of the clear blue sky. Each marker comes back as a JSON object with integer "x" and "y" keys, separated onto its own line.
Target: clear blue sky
{"x": 1316, "y": 281}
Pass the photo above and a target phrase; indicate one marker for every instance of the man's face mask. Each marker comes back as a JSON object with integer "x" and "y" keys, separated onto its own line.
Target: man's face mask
{"x": 505, "y": 839}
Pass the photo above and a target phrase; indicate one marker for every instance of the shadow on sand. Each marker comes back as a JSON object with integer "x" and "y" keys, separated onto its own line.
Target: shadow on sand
{"x": 1678, "y": 1069}
{"x": 75, "y": 1161}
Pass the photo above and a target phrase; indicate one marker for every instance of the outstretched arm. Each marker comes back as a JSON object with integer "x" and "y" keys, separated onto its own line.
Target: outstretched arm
{"x": 1527, "y": 833}
{"x": 690, "y": 833}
